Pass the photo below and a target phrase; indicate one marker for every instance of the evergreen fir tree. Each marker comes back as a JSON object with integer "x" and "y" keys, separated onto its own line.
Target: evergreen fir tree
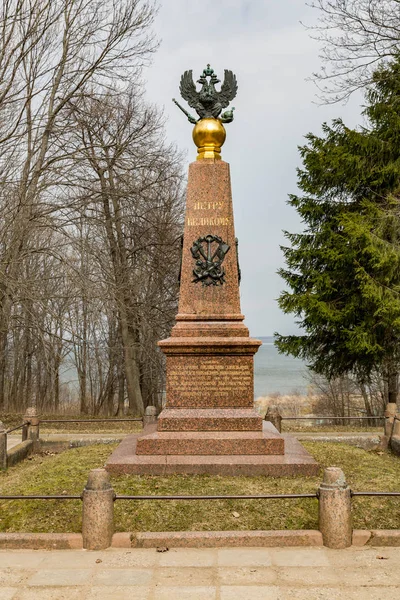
{"x": 343, "y": 271}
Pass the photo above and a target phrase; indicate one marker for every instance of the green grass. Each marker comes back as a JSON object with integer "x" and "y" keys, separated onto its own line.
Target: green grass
{"x": 67, "y": 473}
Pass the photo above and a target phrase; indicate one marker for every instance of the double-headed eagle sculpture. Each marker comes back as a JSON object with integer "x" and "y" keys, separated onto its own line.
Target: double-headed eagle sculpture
{"x": 208, "y": 102}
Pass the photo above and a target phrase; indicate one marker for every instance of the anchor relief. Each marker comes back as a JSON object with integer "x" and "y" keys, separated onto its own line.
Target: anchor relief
{"x": 209, "y": 253}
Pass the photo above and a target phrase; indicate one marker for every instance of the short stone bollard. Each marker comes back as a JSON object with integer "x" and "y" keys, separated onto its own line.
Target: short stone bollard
{"x": 32, "y": 417}
{"x": 396, "y": 426}
{"x": 150, "y": 416}
{"x": 98, "y": 511}
{"x": 274, "y": 416}
{"x": 335, "y": 522}
{"x": 3, "y": 447}
{"x": 390, "y": 413}
{"x": 395, "y": 439}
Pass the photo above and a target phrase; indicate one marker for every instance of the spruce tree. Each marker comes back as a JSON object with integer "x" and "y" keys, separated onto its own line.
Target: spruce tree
{"x": 343, "y": 271}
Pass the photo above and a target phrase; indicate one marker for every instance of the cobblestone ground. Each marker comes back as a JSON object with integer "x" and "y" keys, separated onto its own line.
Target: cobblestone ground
{"x": 203, "y": 574}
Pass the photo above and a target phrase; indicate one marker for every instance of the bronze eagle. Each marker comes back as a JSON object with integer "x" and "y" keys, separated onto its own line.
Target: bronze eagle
{"x": 208, "y": 102}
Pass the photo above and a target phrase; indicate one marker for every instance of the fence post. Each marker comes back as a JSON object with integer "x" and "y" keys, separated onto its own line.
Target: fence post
{"x": 150, "y": 416}
{"x": 390, "y": 413}
{"x": 98, "y": 511}
{"x": 32, "y": 417}
{"x": 335, "y": 521}
{"x": 3, "y": 447}
{"x": 395, "y": 439}
{"x": 274, "y": 416}
{"x": 396, "y": 426}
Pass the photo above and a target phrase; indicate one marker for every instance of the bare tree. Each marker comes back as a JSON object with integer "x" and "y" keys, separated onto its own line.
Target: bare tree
{"x": 51, "y": 52}
{"x": 356, "y": 37}
{"x": 136, "y": 200}
{"x": 349, "y": 396}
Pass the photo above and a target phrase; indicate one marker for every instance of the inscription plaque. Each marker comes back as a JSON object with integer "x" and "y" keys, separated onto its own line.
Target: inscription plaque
{"x": 207, "y": 381}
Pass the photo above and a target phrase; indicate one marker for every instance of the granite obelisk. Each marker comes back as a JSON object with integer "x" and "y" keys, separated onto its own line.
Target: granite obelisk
{"x": 209, "y": 424}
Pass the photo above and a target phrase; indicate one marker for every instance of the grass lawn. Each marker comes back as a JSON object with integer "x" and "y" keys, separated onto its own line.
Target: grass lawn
{"x": 67, "y": 473}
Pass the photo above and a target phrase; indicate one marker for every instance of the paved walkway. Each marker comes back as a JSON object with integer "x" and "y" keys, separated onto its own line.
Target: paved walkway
{"x": 201, "y": 574}
{"x": 13, "y": 440}
{"x": 305, "y": 435}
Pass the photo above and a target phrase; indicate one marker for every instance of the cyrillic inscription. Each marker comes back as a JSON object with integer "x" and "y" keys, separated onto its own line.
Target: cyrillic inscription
{"x": 208, "y": 205}
{"x": 212, "y": 377}
{"x": 206, "y": 221}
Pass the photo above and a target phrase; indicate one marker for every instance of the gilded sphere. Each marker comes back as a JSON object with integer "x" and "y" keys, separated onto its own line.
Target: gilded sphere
{"x": 209, "y": 135}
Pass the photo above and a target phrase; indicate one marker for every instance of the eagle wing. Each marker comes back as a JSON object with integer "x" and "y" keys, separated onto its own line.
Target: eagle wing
{"x": 188, "y": 89}
{"x": 228, "y": 89}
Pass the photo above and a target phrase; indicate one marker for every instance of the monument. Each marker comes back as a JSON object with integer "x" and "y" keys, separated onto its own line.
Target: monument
{"x": 209, "y": 424}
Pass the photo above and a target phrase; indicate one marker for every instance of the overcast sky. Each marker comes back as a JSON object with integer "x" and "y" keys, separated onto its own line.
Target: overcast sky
{"x": 264, "y": 43}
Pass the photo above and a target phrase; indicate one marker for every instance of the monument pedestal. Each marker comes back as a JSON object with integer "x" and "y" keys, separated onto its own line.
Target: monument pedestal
{"x": 209, "y": 424}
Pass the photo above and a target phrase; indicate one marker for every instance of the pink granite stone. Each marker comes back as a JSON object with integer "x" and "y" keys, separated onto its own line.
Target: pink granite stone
{"x": 360, "y": 537}
{"x": 384, "y": 537}
{"x": 41, "y": 541}
{"x": 296, "y": 461}
{"x": 210, "y": 442}
{"x": 209, "y": 210}
{"x": 209, "y": 354}
{"x": 225, "y": 539}
{"x": 209, "y": 425}
{"x": 210, "y": 381}
{"x": 209, "y": 419}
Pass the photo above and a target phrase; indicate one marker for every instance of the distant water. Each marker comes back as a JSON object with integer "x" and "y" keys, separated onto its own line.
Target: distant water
{"x": 274, "y": 372}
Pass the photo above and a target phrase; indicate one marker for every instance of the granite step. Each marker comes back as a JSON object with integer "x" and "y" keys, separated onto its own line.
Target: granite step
{"x": 213, "y": 442}
{"x": 209, "y": 419}
{"x": 296, "y": 461}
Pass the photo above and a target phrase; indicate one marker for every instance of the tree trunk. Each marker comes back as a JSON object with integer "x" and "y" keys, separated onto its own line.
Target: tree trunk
{"x": 393, "y": 387}
{"x": 131, "y": 366}
{"x": 121, "y": 392}
{"x": 3, "y": 366}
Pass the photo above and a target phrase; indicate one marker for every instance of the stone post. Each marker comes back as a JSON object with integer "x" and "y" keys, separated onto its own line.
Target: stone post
{"x": 335, "y": 521}
{"x": 395, "y": 439}
{"x": 396, "y": 426}
{"x": 3, "y": 447}
{"x": 150, "y": 416}
{"x": 98, "y": 511}
{"x": 274, "y": 416}
{"x": 390, "y": 413}
{"x": 32, "y": 417}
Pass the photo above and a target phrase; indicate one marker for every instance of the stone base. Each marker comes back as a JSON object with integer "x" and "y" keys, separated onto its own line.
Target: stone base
{"x": 209, "y": 419}
{"x": 295, "y": 461}
{"x": 204, "y": 443}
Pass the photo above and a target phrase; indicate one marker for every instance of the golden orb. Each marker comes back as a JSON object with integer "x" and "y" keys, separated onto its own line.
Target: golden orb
{"x": 209, "y": 135}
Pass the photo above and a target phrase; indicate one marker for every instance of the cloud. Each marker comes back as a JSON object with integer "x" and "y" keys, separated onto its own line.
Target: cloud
{"x": 272, "y": 55}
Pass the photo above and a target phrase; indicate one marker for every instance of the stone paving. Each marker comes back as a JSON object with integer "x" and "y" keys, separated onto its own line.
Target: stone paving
{"x": 201, "y": 574}
{"x": 84, "y": 438}
{"x": 361, "y": 438}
